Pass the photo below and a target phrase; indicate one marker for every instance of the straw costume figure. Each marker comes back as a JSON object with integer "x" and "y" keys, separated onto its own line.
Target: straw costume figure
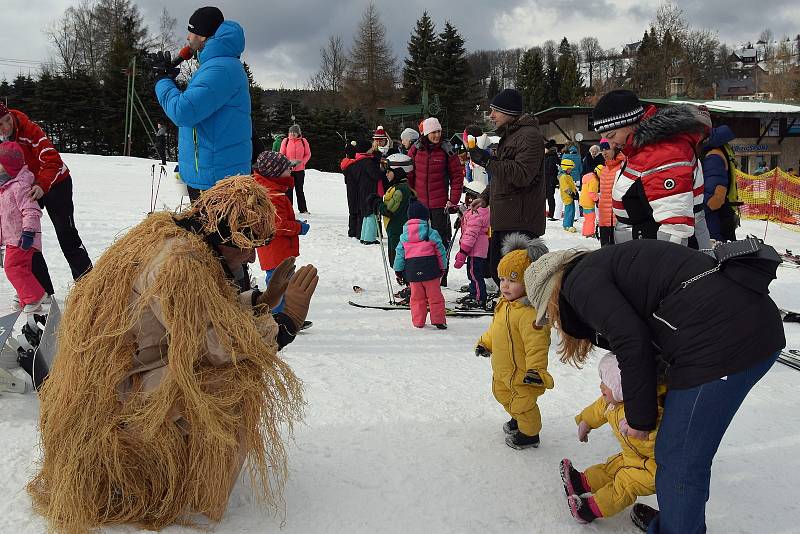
{"x": 167, "y": 380}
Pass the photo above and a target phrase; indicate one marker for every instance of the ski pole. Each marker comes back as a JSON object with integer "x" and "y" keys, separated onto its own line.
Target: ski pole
{"x": 152, "y": 185}
{"x": 385, "y": 263}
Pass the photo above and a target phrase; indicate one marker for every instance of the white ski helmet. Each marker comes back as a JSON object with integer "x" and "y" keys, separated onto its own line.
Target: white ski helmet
{"x": 474, "y": 188}
{"x": 400, "y": 160}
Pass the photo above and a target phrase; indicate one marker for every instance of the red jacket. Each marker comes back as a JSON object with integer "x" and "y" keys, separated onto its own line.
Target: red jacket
{"x": 436, "y": 168}
{"x": 285, "y": 243}
{"x": 41, "y": 157}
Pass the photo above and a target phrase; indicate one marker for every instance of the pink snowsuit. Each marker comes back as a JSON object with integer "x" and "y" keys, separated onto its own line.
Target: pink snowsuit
{"x": 18, "y": 212}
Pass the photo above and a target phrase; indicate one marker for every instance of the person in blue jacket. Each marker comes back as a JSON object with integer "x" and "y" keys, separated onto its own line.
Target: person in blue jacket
{"x": 213, "y": 113}
{"x": 577, "y": 171}
{"x": 719, "y": 170}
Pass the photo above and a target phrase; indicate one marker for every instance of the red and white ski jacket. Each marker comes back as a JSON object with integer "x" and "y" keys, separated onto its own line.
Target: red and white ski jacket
{"x": 659, "y": 191}
{"x": 41, "y": 157}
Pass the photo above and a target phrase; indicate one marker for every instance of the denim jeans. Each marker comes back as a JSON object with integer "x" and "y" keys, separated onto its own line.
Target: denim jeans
{"x": 692, "y": 427}
{"x": 569, "y": 215}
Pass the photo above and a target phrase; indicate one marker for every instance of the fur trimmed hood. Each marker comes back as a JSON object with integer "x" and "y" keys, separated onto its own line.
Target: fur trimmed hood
{"x": 669, "y": 122}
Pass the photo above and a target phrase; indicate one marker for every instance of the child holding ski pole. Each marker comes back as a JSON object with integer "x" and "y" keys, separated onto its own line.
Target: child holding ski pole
{"x": 20, "y": 227}
{"x": 420, "y": 261}
{"x": 517, "y": 348}
{"x": 473, "y": 247}
{"x": 615, "y": 484}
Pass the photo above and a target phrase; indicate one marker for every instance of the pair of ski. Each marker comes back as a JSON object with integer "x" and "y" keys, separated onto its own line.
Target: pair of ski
{"x": 790, "y": 358}
{"x": 449, "y": 312}
{"x": 33, "y": 349}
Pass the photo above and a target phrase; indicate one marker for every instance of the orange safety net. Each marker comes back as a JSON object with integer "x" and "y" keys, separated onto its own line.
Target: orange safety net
{"x": 773, "y": 195}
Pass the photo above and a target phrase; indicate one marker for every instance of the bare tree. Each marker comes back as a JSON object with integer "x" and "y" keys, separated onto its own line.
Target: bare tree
{"x": 765, "y": 43}
{"x": 330, "y": 76}
{"x": 699, "y": 50}
{"x": 591, "y": 52}
{"x": 64, "y": 39}
{"x": 166, "y": 38}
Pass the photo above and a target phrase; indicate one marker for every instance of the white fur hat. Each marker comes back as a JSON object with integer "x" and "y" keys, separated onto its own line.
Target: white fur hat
{"x": 611, "y": 376}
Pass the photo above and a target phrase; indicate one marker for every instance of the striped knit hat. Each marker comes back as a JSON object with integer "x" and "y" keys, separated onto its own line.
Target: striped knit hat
{"x": 616, "y": 109}
{"x": 508, "y": 101}
{"x": 380, "y": 133}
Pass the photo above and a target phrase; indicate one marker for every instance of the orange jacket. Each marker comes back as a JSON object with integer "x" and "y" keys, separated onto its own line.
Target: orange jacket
{"x": 607, "y": 177}
{"x": 285, "y": 243}
{"x": 41, "y": 157}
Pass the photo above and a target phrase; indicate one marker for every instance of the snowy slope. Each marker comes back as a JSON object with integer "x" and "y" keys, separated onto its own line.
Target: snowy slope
{"x": 401, "y": 431}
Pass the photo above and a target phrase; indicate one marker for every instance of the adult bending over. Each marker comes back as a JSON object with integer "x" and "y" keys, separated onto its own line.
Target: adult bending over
{"x": 629, "y": 299}
{"x": 167, "y": 379}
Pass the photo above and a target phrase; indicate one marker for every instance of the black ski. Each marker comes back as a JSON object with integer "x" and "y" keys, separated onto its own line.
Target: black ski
{"x": 449, "y": 311}
{"x": 790, "y": 358}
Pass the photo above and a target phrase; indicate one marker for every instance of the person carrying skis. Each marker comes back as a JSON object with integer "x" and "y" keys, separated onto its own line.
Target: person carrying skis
{"x": 273, "y": 171}
{"x": 420, "y": 261}
{"x": 615, "y": 484}
{"x": 517, "y": 349}
{"x": 20, "y": 227}
{"x": 474, "y": 247}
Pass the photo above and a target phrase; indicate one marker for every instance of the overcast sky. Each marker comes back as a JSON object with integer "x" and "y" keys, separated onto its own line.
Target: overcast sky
{"x": 284, "y": 37}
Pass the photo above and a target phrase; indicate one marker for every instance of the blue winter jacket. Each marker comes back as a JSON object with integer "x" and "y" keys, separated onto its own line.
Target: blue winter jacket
{"x": 715, "y": 172}
{"x": 577, "y": 170}
{"x": 213, "y": 113}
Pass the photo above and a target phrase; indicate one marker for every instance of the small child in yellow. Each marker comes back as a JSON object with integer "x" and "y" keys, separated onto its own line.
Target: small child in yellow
{"x": 569, "y": 194}
{"x": 517, "y": 348}
{"x": 615, "y": 484}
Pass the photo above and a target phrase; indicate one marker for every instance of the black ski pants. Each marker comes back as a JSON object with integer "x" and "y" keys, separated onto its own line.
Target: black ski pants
{"x": 299, "y": 181}
{"x": 440, "y": 221}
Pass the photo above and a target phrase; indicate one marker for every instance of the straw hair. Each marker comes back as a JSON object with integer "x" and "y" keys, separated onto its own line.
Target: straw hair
{"x": 571, "y": 350}
{"x": 108, "y": 459}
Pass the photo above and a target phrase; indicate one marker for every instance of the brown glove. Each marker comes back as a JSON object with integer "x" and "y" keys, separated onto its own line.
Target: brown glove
{"x": 278, "y": 283}
{"x": 298, "y": 294}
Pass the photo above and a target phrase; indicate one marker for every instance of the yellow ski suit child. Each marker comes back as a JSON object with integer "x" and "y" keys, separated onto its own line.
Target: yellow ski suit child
{"x": 617, "y": 483}
{"x": 518, "y": 349}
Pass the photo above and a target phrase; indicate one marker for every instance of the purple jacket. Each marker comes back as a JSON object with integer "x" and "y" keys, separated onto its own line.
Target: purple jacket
{"x": 475, "y": 233}
{"x": 18, "y": 212}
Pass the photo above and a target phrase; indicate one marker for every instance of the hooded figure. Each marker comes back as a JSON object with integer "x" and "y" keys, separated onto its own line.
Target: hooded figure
{"x": 719, "y": 173}
{"x": 166, "y": 380}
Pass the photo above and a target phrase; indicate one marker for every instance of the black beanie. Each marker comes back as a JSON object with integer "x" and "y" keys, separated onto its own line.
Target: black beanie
{"x": 508, "y": 101}
{"x": 616, "y": 109}
{"x": 417, "y": 210}
{"x": 205, "y": 21}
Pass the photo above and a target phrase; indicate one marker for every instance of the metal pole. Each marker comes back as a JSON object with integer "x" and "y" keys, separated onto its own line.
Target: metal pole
{"x": 130, "y": 123}
{"x": 127, "y": 110}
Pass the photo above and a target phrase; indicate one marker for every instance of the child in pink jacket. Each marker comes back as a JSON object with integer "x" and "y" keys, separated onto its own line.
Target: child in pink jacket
{"x": 420, "y": 261}
{"x": 20, "y": 226}
{"x": 474, "y": 247}
{"x": 296, "y": 149}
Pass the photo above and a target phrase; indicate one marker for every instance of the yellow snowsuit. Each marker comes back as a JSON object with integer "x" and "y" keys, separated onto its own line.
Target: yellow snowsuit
{"x": 589, "y": 192}
{"x": 517, "y": 346}
{"x": 627, "y": 475}
{"x": 566, "y": 185}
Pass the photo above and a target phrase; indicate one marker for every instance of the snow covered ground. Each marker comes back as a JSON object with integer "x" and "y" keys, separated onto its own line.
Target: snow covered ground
{"x": 401, "y": 431}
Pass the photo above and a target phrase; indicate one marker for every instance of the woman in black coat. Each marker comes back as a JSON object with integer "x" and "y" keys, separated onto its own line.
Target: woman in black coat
{"x": 715, "y": 337}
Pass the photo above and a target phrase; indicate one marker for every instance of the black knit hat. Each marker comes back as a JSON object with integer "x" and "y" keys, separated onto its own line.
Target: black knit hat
{"x": 616, "y": 109}
{"x": 271, "y": 164}
{"x": 205, "y": 21}
{"x": 417, "y": 210}
{"x": 508, "y": 101}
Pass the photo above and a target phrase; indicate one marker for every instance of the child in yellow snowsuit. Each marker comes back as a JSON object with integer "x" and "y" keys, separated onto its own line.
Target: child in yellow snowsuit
{"x": 615, "y": 484}
{"x": 517, "y": 348}
{"x": 590, "y": 194}
{"x": 569, "y": 194}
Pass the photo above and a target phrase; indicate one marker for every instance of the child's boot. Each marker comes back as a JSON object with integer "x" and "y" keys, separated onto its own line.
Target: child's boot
{"x": 642, "y": 515}
{"x": 510, "y": 426}
{"x": 441, "y": 326}
{"x": 574, "y": 481}
{"x": 583, "y": 510}
{"x": 520, "y": 441}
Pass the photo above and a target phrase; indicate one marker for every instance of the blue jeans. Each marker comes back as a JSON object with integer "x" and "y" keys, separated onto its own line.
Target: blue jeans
{"x": 692, "y": 427}
{"x": 476, "y": 269}
{"x": 279, "y": 307}
{"x": 569, "y": 215}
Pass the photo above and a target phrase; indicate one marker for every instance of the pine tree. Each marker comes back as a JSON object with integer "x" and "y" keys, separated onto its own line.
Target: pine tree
{"x": 451, "y": 79}
{"x": 493, "y": 88}
{"x": 371, "y": 66}
{"x": 570, "y": 90}
{"x": 258, "y": 114}
{"x": 531, "y": 80}
{"x": 552, "y": 79}
{"x": 422, "y": 49}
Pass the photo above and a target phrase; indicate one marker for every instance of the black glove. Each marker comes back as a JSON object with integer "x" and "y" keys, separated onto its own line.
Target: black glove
{"x": 532, "y": 377}
{"x": 457, "y": 224}
{"x": 26, "y": 240}
{"x": 478, "y": 156}
{"x": 163, "y": 67}
{"x": 374, "y": 203}
{"x": 400, "y": 277}
{"x": 453, "y": 209}
{"x": 575, "y": 195}
{"x": 480, "y": 350}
